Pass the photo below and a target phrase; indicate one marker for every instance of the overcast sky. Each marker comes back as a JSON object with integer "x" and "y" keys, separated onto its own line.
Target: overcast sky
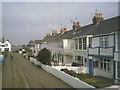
{"x": 25, "y": 21}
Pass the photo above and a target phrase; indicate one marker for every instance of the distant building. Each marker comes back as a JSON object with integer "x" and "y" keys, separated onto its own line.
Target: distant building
{"x": 5, "y": 46}
{"x": 37, "y": 47}
{"x": 34, "y": 45}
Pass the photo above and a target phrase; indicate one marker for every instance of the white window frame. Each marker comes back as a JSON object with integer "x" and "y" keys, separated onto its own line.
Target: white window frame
{"x": 104, "y": 41}
{"x": 76, "y": 44}
{"x": 103, "y": 62}
{"x": 90, "y": 42}
{"x": 82, "y": 43}
{"x": 118, "y": 70}
{"x": 71, "y": 45}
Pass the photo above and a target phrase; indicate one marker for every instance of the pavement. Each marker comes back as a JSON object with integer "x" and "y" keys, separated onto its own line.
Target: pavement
{"x": 19, "y": 72}
{"x": 0, "y": 76}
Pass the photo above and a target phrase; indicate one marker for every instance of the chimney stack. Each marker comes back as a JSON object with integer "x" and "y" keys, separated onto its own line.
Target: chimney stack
{"x": 48, "y": 35}
{"x": 63, "y": 30}
{"x": 54, "y": 33}
{"x": 76, "y": 25}
{"x": 97, "y": 18}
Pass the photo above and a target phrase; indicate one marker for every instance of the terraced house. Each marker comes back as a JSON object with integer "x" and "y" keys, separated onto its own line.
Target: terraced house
{"x": 96, "y": 46}
{"x": 104, "y": 53}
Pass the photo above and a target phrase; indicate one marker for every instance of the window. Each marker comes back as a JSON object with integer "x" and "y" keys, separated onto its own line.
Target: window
{"x": 118, "y": 70}
{"x": 79, "y": 59}
{"x": 105, "y": 67}
{"x": 101, "y": 41}
{"x": 96, "y": 64}
{"x": 90, "y": 41}
{"x": 71, "y": 45}
{"x": 104, "y": 41}
{"x": 80, "y": 43}
{"x": 105, "y": 64}
{"x": 6, "y": 49}
{"x": 76, "y": 44}
{"x": 101, "y": 64}
{"x": 83, "y": 43}
{"x": 2, "y": 45}
{"x": 6, "y": 45}
{"x": 85, "y": 59}
{"x": 118, "y": 41}
{"x": 85, "y": 62}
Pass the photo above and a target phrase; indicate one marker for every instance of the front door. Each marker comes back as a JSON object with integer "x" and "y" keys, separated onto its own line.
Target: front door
{"x": 90, "y": 66}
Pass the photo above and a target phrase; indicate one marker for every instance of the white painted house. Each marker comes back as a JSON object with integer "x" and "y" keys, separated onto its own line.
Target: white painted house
{"x": 5, "y": 46}
{"x": 37, "y": 47}
{"x": 104, "y": 53}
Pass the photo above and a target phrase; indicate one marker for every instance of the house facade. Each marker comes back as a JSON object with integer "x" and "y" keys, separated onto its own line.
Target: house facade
{"x": 96, "y": 46}
{"x": 5, "y": 46}
{"x": 37, "y": 47}
{"x": 104, "y": 53}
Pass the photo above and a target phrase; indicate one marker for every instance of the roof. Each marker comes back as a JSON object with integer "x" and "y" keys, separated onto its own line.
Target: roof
{"x": 31, "y": 41}
{"x": 4, "y": 42}
{"x": 37, "y": 41}
{"x": 103, "y": 27}
{"x": 66, "y": 35}
{"x": 45, "y": 39}
{"x": 53, "y": 38}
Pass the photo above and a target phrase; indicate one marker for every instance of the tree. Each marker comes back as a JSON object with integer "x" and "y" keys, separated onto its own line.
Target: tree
{"x": 44, "y": 56}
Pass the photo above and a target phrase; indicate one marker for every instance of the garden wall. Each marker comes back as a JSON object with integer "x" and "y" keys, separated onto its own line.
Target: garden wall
{"x": 76, "y": 69}
{"x": 72, "y": 81}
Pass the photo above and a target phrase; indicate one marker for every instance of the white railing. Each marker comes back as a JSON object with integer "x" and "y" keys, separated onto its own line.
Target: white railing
{"x": 106, "y": 51}
{"x": 68, "y": 51}
{"x": 93, "y": 51}
{"x": 72, "y": 81}
{"x": 117, "y": 56}
{"x": 101, "y": 51}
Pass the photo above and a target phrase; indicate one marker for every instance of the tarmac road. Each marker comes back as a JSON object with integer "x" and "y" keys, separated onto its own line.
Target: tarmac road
{"x": 21, "y": 73}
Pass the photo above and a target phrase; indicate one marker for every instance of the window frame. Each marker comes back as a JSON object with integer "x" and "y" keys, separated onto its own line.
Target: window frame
{"x": 104, "y": 41}
{"x": 76, "y": 43}
{"x": 105, "y": 65}
{"x": 82, "y": 43}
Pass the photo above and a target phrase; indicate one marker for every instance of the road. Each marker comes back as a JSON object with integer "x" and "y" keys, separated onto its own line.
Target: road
{"x": 21, "y": 73}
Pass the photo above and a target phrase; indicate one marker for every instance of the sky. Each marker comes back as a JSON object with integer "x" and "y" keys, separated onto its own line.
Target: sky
{"x": 25, "y": 21}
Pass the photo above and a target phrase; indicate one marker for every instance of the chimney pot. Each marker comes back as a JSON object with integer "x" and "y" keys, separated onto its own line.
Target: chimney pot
{"x": 76, "y": 25}
{"x": 63, "y": 30}
{"x": 54, "y": 32}
{"x": 97, "y": 18}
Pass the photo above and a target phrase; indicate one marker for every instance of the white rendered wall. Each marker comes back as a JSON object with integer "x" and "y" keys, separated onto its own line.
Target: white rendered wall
{"x": 102, "y": 73}
{"x": 95, "y": 42}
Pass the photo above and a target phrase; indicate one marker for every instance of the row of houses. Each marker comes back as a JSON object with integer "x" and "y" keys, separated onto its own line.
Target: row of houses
{"x": 96, "y": 46}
